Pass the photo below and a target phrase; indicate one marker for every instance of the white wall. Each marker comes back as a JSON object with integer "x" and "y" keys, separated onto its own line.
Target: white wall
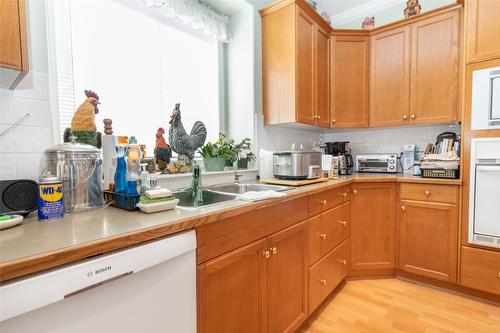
{"x": 20, "y": 150}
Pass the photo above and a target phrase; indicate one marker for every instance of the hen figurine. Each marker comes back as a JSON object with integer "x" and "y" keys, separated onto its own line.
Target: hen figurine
{"x": 83, "y": 123}
{"x": 182, "y": 143}
{"x": 163, "y": 153}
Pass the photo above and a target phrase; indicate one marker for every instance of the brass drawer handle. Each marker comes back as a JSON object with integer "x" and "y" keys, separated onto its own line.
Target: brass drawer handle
{"x": 355, "y": 191}
{"x": 323, "y": 282}
{"x": 343, "y": 222}
{"x": 403, "y": 208}
{"x": 427, "y": 193}
{"x": 322, "y": 236}
{"x": 343, "y": 194}
{"x": 323, "y": 202}
{"x": 266, "y": 254}
{"x": 344, "y": 262}
{"x": 274, "y": 250}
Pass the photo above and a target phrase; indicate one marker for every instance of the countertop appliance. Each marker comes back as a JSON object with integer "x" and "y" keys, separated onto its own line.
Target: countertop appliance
{"x": 79, "y": 166}
{"x": 484, "y": 208}
{"x": 377, "y": 163}
{"x": 409, "y": 157}
{"x": 486, "y": 99}
{"x": 147, "y": 288}
{"x": 297, "y": 165}
{"x": 342, "y": 149}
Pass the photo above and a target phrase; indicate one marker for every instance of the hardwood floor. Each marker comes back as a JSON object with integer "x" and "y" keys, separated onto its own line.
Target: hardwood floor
{"x": 391, "y": 305}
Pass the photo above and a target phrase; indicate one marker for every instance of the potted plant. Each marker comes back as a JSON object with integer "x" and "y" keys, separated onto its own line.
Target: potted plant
{"x": 213, "y": 157}
{"x": 244, "y": 153}
{"x": 228, "y": 149}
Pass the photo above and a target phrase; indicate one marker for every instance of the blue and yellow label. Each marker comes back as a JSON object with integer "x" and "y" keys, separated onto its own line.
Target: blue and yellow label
{"x": 51, "y": 192}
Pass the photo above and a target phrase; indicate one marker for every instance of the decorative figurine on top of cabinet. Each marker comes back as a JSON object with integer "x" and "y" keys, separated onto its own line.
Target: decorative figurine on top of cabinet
{"x": 162, "y": 151}
{"x": 182, "y": 143}
{"x": 412, "y": 8}
{"x": 368, "y": 23}
{"x": 83, "y": 123}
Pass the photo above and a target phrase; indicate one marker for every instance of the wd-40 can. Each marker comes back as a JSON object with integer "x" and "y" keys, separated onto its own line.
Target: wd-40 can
{"x": 50, "y": 198}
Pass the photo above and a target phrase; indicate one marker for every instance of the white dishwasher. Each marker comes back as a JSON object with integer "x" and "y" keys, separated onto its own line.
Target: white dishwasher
{"x": 147, "y": 288}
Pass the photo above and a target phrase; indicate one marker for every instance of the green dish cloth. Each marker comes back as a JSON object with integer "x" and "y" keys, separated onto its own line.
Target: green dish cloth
{"x": 145, "y": 200}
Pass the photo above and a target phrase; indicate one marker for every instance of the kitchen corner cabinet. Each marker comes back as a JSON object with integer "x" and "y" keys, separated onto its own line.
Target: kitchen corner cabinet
{"x": 350, "y": 58}
{"x": 295, "y": 65}
{"x": 373, "y": 227}
{"x": 415, "y": 72}
{"x": 482, "y": 30}
{"x": 257, "y": 288}
{"x": 428, "y": 231}
{"x": 13, "y": 42}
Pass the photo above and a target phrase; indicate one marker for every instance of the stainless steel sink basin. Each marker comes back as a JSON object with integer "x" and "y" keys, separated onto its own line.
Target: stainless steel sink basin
{"x": 242, "y": 188}
{"x": 186, "y": 199}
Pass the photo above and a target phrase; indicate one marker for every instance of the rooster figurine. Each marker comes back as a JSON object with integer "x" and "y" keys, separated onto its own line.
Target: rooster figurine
{"x": 83, "y": 123}
{"x": 163, "y": 153}
{"x": 182, "y": 143}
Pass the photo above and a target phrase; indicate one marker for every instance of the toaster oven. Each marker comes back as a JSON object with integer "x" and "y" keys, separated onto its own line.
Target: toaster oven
{"x": 377, "y": 163}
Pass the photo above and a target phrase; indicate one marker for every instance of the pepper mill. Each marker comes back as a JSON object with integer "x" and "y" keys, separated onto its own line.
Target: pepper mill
{"x": 108, "y": 128}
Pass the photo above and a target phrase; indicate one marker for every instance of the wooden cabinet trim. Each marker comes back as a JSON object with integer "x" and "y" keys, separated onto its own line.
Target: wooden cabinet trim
{"x": 472, "y": 24}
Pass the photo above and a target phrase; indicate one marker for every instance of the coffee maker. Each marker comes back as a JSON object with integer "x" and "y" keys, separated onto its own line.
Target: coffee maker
{"x": 342, "y": 149}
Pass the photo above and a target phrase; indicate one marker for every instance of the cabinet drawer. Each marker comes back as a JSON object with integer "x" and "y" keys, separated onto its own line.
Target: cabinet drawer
{"x": 481, "y": 269}
{"x": 325, "y": 200}
{"x": 328, "y": 230}
{"x": 327, "y": 273}
{"x": 432, "y": 193}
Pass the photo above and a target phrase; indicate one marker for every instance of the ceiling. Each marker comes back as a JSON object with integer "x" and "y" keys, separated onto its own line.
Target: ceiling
{"x": 334, "y": 7}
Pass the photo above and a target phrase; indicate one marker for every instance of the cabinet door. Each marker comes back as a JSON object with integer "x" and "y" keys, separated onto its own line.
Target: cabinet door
{"x": 230, "y": 291}
{"x": 13, "y": 44}
{"x": 305, "y": 68}
{"x": 286, "y": 280}
{"x": 322, "y": 72}
{"x": 373, "y": 227}
{"x": 482, "y": 30}
{"x": 349, "y": 81}
{"x": 434, "y": 70}
{"x": 429, "y": 239}
{"x": 390, "y": 77}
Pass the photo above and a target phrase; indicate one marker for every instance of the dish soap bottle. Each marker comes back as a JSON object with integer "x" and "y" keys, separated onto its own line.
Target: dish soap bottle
{"x": 121, "y": 168}
{"x": 133, "y": 165}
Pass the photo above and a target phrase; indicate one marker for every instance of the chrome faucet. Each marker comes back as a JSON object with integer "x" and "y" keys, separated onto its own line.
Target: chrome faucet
{"x": 196, "y": 188}
{"x": 236, "y": 175}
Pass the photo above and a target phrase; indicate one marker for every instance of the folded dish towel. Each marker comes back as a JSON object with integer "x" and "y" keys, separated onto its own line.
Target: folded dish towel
{"x": 260, "y": 195}
{"x": 158, "y": 193}
{"x": 146, "y": 200}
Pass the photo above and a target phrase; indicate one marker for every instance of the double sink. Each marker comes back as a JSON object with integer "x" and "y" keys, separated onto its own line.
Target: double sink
{"x": 220, "y": 193}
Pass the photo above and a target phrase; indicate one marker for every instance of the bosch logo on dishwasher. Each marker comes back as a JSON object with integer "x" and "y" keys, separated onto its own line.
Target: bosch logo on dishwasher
{"x": 98, "y": 271}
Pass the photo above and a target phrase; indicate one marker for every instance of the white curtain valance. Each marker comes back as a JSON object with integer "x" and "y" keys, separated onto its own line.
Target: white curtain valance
{"x": 191, "y": 13}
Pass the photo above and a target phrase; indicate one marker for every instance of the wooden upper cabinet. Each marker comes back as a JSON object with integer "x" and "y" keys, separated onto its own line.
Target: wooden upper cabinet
{"x": 286, "y": 280}
{"x": 429, "y": 239}
{"x": 296, "y": 65}
{"x": 482, "y": 30}
{"x": 434, "y": 69}
{"x": 230, "y": 291}
{"x": 390, "y": 77}
{"x": 322, "y": 79}
{"x": 306, "y": 31}
{"x": 349, "y": 81}
{"x": 373, "y": 227}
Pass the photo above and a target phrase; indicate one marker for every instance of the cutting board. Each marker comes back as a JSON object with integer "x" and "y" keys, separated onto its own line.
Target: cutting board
{"x": 293, "y": 182}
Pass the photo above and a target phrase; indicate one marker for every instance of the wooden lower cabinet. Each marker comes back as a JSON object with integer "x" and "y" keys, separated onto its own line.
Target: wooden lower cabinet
{"x": 373, "y": 227}
{"x": 257, "y": 288}
{"x": 480, "y": 269}
{"x": 429, "y": 239}
{"x": 326, "y": 274}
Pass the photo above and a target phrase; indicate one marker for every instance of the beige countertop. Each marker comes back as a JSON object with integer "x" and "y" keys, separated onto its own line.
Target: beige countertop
{"x": 35, "y": 246}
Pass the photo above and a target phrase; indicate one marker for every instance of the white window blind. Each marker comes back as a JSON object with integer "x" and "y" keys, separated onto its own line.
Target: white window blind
{"x": 138, "y": 66}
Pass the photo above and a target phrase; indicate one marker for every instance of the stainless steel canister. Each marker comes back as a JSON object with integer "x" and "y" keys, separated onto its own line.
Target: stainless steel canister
{"x": 79, "y": 166}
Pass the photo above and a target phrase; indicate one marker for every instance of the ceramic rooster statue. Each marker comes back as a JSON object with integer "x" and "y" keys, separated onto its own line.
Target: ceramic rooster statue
{"x": 83, "y": 123}
{"x": 182, "y": 143}
{"x": 163, "y": 153}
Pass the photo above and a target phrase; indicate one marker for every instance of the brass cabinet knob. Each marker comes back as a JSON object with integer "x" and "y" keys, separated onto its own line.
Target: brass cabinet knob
{"x": 498, "y": 275}
{"x": 318, "y": 117}
{"x": 266, "y": 254}
{"x": 323, "y": 282}
{"x": 334, "y": 121}
{"x": 405, "y": 117}
{"x": 403, "y": 208}
{"x": 343, "y": 222}
{"x": 355, "y": 191}
{"x": 413, "y": 116}
{"x": 344, "y": 262}
{"x": 344, "y": 194}
{"x": 427, "y": 193}
{"x": 322, "y": 236}
{"x": 273, "y": 250}
{"x": 323, "y": 202}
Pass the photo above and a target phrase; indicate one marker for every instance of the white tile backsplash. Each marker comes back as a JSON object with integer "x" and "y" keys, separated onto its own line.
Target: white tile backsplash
{"x": 6, "y": 110}
{"x": 7, "y": 142}
{"x": 7, "y": 166}
{"x": 27, "y": 165}
{"x": 30, "y": 139}
{"x": 37, "y": 108}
